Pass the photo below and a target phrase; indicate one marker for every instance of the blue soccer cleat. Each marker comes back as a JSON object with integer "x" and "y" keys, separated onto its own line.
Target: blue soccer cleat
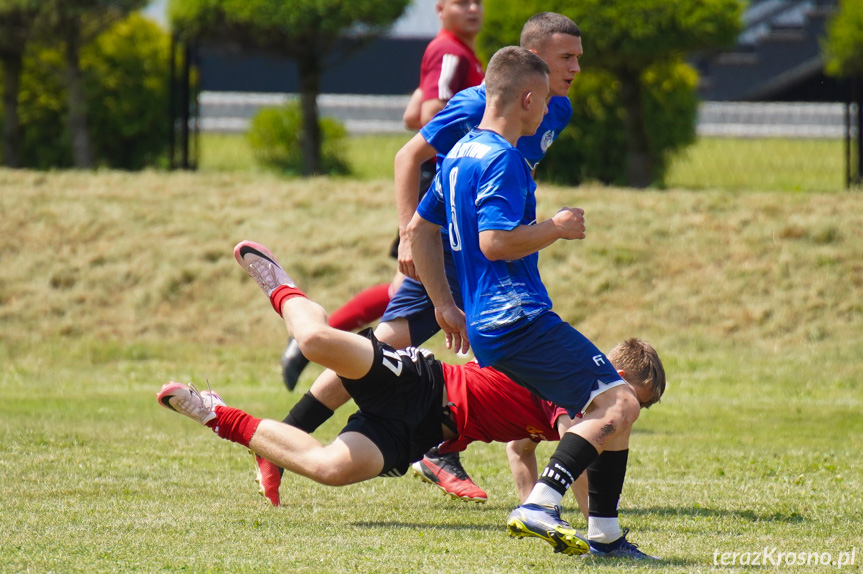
{"x": 620, "y": 548}
{"x": 545, "y": 522}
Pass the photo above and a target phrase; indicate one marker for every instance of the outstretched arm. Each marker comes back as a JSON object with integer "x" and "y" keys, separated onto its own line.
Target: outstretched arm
{"x": 522, "y": 463}
{"x": 428, "y": 258}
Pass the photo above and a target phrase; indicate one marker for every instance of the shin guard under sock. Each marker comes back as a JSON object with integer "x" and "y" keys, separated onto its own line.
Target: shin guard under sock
{"x": 605, "y": 484}
{"x": 308, "y": 414}
{"x": 573, "y": 454}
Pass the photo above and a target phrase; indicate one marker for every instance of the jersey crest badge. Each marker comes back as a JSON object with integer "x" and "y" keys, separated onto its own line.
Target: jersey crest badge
{"x": 547, "y": 140}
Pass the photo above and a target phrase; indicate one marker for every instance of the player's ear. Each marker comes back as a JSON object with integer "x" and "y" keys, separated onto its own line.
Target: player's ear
{"x": 527, "y": 100}
{"x": 622, "y": 373}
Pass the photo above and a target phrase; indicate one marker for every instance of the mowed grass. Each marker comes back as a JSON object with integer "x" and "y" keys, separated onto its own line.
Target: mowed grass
{"x": 760, "y": 164}
{"x": 369, "y": 156}
{"x": 114, "y": 283}
{"x": 734, "y": 164}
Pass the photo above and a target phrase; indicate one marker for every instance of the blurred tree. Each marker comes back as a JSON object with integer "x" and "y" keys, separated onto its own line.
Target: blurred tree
{"x": 75, "y": 23}
{"x": 17, "y": 21}
{"x": 312, "y": 32}
{"x": 843, "y": 46}
{"x": 626, "y": 38}
{"x": 125, "y": 71}
{"x": 843, "y": 55}
{"x": 593, "y": 147}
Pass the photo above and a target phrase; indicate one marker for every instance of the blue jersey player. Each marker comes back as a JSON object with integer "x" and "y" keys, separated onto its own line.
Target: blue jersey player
{"x": 409, "y": 319}
{"x": 484, "y": 196}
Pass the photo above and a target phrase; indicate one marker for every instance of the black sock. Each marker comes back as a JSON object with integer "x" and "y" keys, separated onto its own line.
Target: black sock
{"x": 573, "y": 454}
{"x": 308, "y": 414}
{"x": 605, "y": 482}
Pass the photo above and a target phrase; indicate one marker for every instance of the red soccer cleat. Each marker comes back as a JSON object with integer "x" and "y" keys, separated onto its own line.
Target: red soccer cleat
{"x": 268, "y": 477}
{"x": 446, "y": 472}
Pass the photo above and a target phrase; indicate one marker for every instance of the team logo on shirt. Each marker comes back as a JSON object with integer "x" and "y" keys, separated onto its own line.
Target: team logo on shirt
{"x": 535, "y": 433}
{"x": 547, "y": 140}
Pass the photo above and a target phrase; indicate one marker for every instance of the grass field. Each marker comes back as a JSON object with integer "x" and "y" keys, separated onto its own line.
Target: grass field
{"x": 114, "y": 283}
{"x": 759, "y": 164}
{"x": 735, "y": 164}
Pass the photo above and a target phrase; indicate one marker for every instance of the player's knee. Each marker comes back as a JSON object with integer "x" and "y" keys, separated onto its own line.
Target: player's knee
{"x": 330, "y": 476}
{"x": 314, "y": 342}
{"x": 627, "y": 410}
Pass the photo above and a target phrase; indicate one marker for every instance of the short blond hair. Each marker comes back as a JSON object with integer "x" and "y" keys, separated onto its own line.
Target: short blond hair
{"x": 509, "y": 69}
{"x": 642, "y": 365}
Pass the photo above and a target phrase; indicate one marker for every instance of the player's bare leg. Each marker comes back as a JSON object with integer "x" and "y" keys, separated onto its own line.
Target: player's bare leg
{"x": 349, "y": 354}
{"x": 350, "y": 458}
{"x": 363, "y": 308}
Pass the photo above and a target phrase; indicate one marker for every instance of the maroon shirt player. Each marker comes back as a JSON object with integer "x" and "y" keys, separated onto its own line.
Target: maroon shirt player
{"x": 449, "y": 64}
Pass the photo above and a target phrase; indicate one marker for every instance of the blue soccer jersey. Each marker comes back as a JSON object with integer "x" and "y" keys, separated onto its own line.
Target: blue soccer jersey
{"x": 485, "y": 184}
{"x": 464, "y": 112}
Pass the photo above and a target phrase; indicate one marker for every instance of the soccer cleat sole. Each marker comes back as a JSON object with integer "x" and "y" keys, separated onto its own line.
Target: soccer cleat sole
{"x": 420, "y": 475}
{"x": 567, "y": 544}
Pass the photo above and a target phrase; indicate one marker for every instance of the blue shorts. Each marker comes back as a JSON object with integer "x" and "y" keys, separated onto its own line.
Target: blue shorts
{"x": 411, "y": 302}
{"x": 560, "y": 365}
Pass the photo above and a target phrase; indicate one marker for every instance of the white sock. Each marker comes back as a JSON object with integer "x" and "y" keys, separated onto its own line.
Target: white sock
{"x": 603, "y": 529}
{"x": 544, "y": 494}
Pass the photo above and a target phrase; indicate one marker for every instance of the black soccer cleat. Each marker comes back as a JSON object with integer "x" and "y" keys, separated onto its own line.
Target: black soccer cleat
{"x": 293, "y": 363}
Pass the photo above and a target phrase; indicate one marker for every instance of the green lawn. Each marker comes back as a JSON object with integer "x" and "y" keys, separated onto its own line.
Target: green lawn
{"x": 760, "y": 163}
{"x": 113, "y": 283}
{"x": 370, "y": 156}
{"x": 711, "y": 163}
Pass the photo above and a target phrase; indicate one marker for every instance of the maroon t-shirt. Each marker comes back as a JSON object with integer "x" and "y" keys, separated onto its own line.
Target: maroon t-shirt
{"x": 448, "y": 67}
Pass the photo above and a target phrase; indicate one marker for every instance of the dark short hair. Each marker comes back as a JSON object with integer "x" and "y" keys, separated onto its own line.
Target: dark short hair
{"x": 509, "y": 69}
{"x": 542, "y": 26}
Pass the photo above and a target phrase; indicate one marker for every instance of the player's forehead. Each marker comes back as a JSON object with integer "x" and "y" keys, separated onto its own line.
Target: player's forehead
{"x": 458, "y": 3}
{"x": 562, "y": 44}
